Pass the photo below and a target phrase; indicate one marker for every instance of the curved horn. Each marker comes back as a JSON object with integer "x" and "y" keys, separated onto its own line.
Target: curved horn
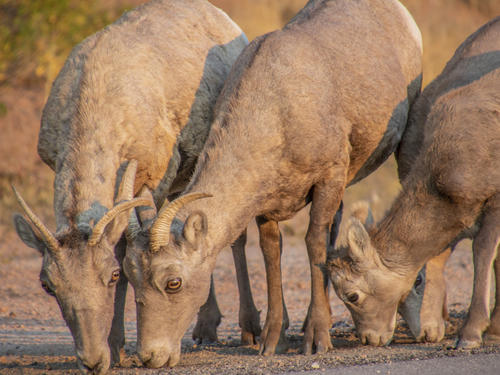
{"x": 134, "y": 227}
{"x": 160, "y": 231}
{"x": 98, "y": 230}
{"x": 126, "y": 189}
{"x": 47, "y": 235}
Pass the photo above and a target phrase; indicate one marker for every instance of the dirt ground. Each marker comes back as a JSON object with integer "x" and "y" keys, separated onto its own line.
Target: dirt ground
{"x": 34, "y": 338}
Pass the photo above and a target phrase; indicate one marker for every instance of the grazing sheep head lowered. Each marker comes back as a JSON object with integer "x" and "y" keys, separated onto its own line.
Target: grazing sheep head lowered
{"x": 424, "y": 308}
{"x": 368, "y": 287}
{"x": 142, "y": 88}
{"x": 84, "y": 286}
{"x": 163, "y": 258}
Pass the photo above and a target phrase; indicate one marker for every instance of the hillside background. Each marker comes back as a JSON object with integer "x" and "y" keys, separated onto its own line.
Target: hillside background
{"x": 36, "y": 36}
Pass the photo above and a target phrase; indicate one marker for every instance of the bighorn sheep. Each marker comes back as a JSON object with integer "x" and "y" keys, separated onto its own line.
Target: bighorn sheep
{"x": 141, "y": 89}
{"x": 424, "y": 308}
{"x": 304, "y": 112}
{"x": 452, "y": 191}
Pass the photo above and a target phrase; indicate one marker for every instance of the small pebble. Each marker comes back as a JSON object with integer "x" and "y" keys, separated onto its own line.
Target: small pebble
{"x": 315, "y": 365}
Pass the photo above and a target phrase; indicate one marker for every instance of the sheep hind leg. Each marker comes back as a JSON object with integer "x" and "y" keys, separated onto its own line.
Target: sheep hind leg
{"x": 272, "y": 338}
{"x": 493, "y": 332}
{"x": 484, "y": 251}
{"x": 249, "y": 316}
{"x": 209, "y": 318}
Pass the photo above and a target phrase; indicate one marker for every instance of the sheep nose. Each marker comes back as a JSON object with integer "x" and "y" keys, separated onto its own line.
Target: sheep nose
{"x": 93, "y": 363}
{"x": 152, "y": 359}
{"x": 92, "y": 367}
{"x": 376, "y": 339}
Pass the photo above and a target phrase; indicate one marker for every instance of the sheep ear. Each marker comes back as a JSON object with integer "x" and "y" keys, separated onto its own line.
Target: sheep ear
{"x": 195, "y": 228}
{"x": 358, "y": 240}
{"x": 27, "y": 234}
{"x": 363, "y": 212}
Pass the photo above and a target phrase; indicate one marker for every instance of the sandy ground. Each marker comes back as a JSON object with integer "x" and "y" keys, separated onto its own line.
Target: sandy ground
{"x": 34, "y": 338}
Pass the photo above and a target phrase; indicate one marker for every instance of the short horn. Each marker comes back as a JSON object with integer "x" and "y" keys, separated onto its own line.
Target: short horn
{"x": 146, "y": 216}
{"x": 47, "y": 235}
{"x": 126, "y": 189}
{"x": 98, "y": 230}
{"x": 160, "y": 231}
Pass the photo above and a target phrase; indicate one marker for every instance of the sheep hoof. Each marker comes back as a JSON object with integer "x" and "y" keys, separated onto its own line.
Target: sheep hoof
{"x": 467, "y": 344}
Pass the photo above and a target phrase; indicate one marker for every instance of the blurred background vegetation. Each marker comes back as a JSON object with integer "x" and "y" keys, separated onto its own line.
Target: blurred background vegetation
{"x": 36, "y": 36}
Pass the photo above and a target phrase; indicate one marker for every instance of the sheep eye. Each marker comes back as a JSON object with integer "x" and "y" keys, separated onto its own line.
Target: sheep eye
{"x": 418, "y": 281}
{"x": 114, "y": 276}
{"x": 353, "y": 298}
{"x": 173, "y": 285}
{"x": 46, "y": 287}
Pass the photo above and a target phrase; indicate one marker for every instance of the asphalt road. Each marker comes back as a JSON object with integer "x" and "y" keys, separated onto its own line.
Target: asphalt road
{"x": 478, "y": 364}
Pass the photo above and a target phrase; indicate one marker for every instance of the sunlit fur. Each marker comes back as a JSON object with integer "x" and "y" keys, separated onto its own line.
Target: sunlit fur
{"x": 143, "y": 88}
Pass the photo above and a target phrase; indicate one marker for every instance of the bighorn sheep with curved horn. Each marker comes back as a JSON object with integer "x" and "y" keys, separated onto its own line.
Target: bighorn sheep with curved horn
{"x": 451, "y": 192}
{"x": 141, "y": 89}
{"x": 305, "y": 111}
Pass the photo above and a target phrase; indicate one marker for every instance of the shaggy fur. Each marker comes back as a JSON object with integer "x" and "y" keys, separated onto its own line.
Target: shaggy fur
{"x": 143, "y": 88}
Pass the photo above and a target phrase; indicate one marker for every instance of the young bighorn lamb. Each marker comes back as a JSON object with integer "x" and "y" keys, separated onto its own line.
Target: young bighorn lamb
{"x": 141, "y": 89}
{"x": 452, "y": 191}
{"x": 305, "y": 111}
{"x": 424, "y": 308}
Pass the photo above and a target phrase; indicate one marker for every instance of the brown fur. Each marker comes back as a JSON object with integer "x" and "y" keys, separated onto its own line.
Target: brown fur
{"x": 451, "y": 191}
{"x": 143, "y": 88}
{"x": 306, "y": 110}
